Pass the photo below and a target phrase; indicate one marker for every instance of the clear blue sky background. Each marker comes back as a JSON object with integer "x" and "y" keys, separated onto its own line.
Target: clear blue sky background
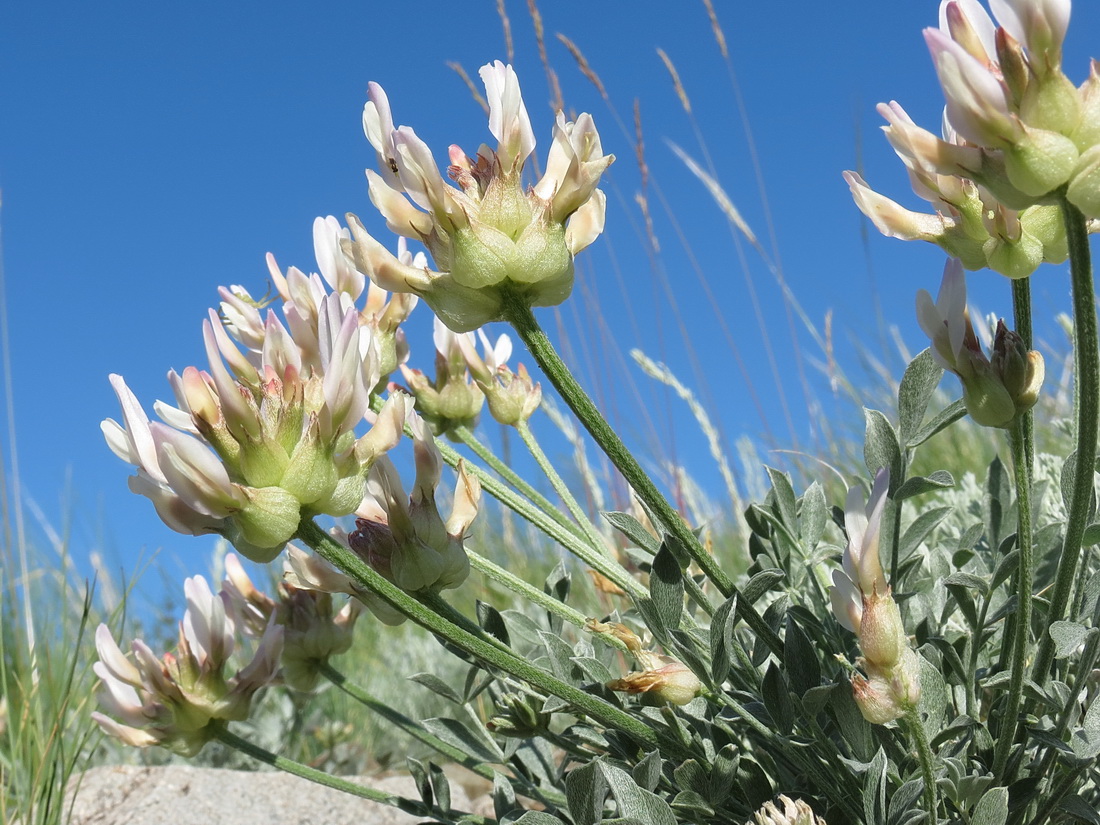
{"x": 152, "y": 151}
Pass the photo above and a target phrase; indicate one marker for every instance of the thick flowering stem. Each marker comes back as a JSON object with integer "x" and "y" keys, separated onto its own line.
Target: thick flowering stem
{"x": 924, "y": 755}
{"x": 1021, "y": 626}
{"x": 411, "y": 806}
{"x": 1086, "y": 363}
{"x": 494, "y": 656}
{"x": 561, "y": 488}
{"x": 1021, "y": 316}
{"x": 519, "y": 315}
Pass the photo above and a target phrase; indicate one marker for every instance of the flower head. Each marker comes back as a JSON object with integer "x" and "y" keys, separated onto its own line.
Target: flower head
{"x": 489, "y": 238}
{"x": 1016, "y": 133}
{"x": 512, "y": 396}
{"x": 180, "y": 700}
{"x": 407, "y": 541}
{"x": 786, "y": 811}
{"x": 265, "y": 436}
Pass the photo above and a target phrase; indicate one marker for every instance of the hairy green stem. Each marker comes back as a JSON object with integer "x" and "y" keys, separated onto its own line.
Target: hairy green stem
{"x": 1086, "y": 363}
{"x": 1021, "y": 316}
{"x": 535, "y": 595}
{"x": 411, "y": 806}
{"x": 524, "y": 487}
{"x": 1025, "y": 578}
{"x": 561, "y": 488}
{"x": 924, "y": 755}
{"x": 519, "y": 315}
{"x": 602, "y": 711}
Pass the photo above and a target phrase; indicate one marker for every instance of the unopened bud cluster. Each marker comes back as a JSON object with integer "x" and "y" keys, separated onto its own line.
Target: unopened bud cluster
{"x": 889, "y": 685}
{"x": 997, "y": 389}
{"x": 266, "y": 436}
{"x": 1017, "y": 136}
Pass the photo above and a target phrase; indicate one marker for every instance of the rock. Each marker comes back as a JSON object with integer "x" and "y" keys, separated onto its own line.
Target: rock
{"x": 183, "y": 795}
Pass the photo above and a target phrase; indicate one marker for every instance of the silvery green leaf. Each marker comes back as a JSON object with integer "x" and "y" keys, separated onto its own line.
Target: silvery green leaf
{"x": 1086, "y": 739}
{"x": 918, "y": 485}
{"x": 690, "y": 776}
{"x": 647, "y": 773}
{"x": 874, "y": 790}
{"x": 723, "y": 772}
{"x": 1067, "y": 637}
{"x": 940, "y": 421}
{"x": 881, "y": 448}
{"x": 491, "y": 621}
{"x": 585, "y": 791}
{"x": 761, "y": 583}
{"x": 558, "y": 582}
{"x": 440, "y": 786}
{"x": 635, "y": 803}
{"x": 475, "y": 743}
{"x": 504, "y": 796}
{"x": 753, "y": 782}
{"x": 813, "y": 517}
{"x": 437, "y": 685}
{"x": 538, "y": 818}
{"x": 1005, "y": 569}
{"x": 692, "y": 804}
{"x": 594, "y": 669}
{"x": 919, "y": 381}
{"x": 816, "y": 698}
{"x": 666, "y": 588}
{"x": 560, "y": 655}
{"x": 800, "y": 656}
{"x": 920, "y": 529}
{"x": 784, "y": 496}
{"x": 721, "y": 639}
{"x": 419, "y": 776}
{"x": 633, "y": 530}
{"x": 777, "y": 700}
{"x": 905, "y": 802}
{"x": 933, "y": 698}
{"x": 1079, "y": 809}
{"x": 992, "y": 808}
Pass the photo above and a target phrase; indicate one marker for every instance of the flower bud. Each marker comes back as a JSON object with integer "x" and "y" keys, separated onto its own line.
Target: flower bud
{"x": 882, "y": 636}
{"x": 672, "y": 683}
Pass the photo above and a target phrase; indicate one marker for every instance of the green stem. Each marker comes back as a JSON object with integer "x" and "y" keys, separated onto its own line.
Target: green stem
{"x": 1025, "y": 578}
{"x": 535, "y": 595}
{"x": 499, "y": 467}
{"x": 411, "y": 806}
{"x": 1021, "y": 316}
{"x": 561, "y": 488}
{"x": 1086, "y": 362}
{"x": 519, "y": 315}
{"x": 924, "y": 756}
{"x": 602, "y": 711}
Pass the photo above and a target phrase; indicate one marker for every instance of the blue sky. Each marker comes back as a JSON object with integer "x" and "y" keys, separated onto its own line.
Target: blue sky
{"x": 150, "y": 152}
